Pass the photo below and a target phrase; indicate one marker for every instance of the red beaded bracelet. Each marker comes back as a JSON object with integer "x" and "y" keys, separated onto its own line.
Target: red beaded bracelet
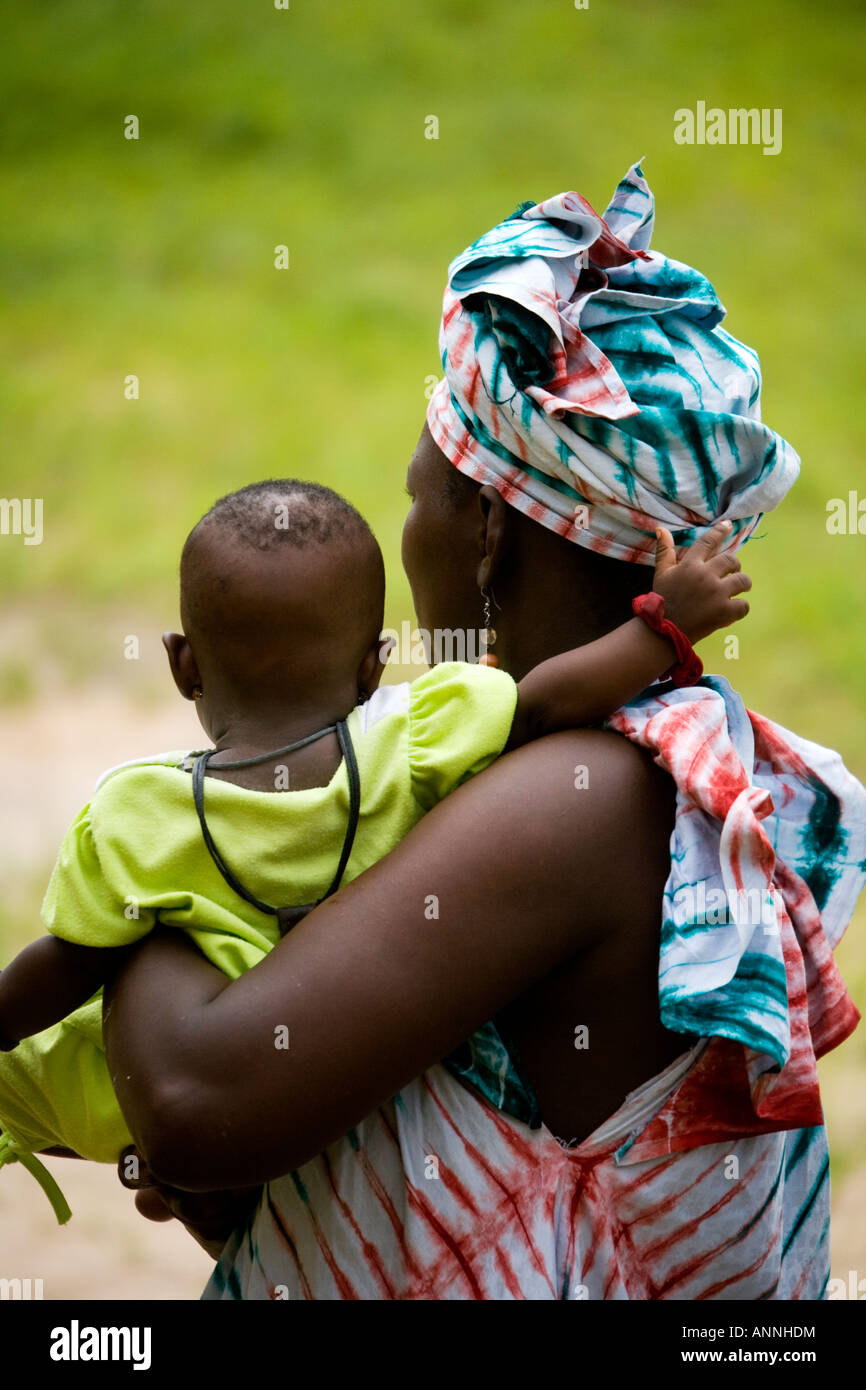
{"x": 688, "y": 666}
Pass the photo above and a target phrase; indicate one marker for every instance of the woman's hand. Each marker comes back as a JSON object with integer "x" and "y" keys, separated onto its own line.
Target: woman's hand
{"x": 700, "y": 589}
{"x": 210, "y": 1217}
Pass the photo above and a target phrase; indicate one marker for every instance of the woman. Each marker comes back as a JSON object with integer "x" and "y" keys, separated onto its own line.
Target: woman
{"x": 678, "y": 1073}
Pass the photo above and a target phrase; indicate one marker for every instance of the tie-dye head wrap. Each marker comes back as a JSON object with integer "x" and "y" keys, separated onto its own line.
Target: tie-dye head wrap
{"x": 589, "y": 381}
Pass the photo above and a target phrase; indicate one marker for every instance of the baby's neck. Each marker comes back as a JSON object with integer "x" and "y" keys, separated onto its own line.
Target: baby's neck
{"x": 250, "y": 734}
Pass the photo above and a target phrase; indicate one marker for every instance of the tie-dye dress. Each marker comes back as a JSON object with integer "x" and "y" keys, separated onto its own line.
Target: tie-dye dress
{"x": 711, "y": 1180}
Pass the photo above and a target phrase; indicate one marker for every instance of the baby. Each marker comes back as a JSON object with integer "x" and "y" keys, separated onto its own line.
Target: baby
{"x": 315, "y": 773}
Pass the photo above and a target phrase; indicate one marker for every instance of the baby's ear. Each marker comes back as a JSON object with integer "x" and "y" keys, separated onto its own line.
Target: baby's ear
{"x": 374, "y": 663}
{"x": 182, "y": 663}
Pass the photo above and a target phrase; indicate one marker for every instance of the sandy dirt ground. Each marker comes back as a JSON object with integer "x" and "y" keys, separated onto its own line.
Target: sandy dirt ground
{"x": 106, "y": 1251}
{"x": 50, "y": 757}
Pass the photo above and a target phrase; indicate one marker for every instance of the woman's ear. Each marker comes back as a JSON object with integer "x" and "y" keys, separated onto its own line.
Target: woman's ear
{"x": 182, "y": 663}
{"x": 493, "y": 536}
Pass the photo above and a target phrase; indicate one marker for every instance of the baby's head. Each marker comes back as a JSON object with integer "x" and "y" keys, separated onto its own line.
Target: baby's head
{"x": 282, "y": 591}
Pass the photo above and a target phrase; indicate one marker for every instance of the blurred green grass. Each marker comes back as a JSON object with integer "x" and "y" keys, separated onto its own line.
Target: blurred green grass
{"x": 306, "y": 127}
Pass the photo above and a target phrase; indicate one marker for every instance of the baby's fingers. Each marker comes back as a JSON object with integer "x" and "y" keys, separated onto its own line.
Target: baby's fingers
{"x": 738, "y": 583}
{"x": 666, "y": 552}
{"x": 709, "y": 544}
{"x": 733, "y": 609}
{"x": 726, "y": 563}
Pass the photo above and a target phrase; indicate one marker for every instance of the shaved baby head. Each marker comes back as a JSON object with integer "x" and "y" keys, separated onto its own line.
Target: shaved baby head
{"x": 282, "y": 591}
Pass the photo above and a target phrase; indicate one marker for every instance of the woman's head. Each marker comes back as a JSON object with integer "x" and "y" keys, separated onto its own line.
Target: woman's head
{"x": 589, "y": 397}
{"x": 461, "y": 537}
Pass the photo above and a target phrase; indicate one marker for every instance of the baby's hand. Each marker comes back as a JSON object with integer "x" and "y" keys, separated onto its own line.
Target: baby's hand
{"x": 699, "y": 589}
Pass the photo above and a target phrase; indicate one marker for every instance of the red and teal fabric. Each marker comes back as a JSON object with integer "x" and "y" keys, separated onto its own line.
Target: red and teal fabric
{"x": 589, "y": 379}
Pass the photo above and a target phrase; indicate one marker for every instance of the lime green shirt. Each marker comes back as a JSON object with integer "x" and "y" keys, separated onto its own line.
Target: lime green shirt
{"x": 135, "y": 855}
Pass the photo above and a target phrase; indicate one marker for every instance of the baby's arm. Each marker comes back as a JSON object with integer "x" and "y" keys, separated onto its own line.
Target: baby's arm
{"x": 46, "y": 981}
{"x": 587, "y": 684}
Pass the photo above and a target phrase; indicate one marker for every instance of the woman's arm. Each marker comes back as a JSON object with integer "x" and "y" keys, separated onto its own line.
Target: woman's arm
{"x": 227, "y": 1084}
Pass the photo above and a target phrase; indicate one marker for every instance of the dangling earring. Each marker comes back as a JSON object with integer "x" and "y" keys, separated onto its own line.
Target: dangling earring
{"x": 489, "y": 632}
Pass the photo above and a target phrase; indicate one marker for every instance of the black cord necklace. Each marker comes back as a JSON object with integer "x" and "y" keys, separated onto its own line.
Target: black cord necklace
{"x": 287, "y": 917}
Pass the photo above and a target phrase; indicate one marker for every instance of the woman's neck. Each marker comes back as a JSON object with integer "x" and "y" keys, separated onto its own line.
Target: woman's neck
{"x": 525, "y": 639}
{"x": 556, "y": 595}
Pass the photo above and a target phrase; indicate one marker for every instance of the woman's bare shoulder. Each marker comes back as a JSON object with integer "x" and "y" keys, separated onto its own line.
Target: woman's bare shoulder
{"x": 611, "y": 785}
